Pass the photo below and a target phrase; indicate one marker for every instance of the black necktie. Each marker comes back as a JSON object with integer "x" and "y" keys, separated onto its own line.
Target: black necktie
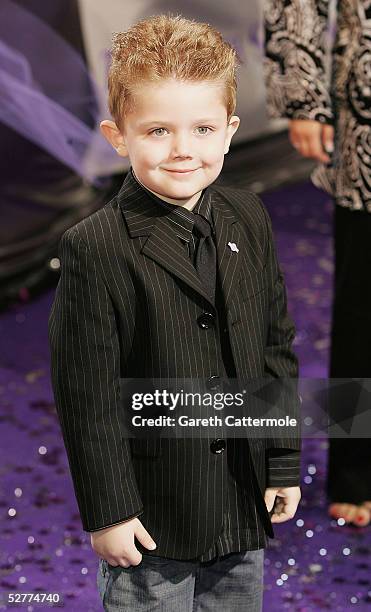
{"x": 205, "y": 255}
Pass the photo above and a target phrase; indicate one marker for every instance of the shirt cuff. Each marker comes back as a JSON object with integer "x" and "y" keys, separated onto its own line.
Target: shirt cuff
{"x": 283, "y": 470}
{"x": 117, "y": 523}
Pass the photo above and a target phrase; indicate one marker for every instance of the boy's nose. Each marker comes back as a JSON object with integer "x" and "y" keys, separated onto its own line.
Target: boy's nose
{"x": 181, "y": 147}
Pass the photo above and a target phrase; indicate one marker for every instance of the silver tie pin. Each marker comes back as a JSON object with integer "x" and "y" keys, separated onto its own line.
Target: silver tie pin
{"x": 233, "y": 246}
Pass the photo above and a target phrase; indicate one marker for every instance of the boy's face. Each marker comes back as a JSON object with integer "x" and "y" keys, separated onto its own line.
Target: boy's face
{"x": 176, "y": 137}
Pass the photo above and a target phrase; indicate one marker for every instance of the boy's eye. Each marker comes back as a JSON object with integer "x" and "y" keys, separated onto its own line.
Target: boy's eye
{"x": 203, "y": 129}
{"x": 158, "y": 131}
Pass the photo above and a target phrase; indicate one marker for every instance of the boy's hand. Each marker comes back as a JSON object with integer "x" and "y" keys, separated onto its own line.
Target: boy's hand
{"x": 312, "y": 138}
{"x": 286, "y": 504}
{"x": 116, "y": 544}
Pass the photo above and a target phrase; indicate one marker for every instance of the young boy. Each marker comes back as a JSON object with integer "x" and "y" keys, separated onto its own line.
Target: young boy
{"x": 172, "y": 278}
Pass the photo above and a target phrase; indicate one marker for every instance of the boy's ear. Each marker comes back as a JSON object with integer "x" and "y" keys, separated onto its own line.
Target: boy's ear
{"x": 232, "y": 128}
{"x": 112, "y": 133}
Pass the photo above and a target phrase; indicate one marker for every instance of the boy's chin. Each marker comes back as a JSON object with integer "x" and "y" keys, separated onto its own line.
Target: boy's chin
{"x": 185, "y": 191}
{"x": 181, "y": 192}
{"x": 182, "y": 195}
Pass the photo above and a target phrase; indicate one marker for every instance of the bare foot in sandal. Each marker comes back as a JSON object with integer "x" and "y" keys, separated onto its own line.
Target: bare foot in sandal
{"x": 358, "y": 514}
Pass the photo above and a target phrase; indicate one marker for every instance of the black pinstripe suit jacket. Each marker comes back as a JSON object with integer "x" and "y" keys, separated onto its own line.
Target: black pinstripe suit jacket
{"x": 127, "y": 305}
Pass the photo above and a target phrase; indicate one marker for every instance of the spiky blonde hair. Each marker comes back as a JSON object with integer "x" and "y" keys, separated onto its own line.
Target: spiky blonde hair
{"x": 163, "y": 47}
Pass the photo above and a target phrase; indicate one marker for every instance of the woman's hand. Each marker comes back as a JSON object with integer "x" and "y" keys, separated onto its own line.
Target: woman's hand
{"x": 312, "y": 138}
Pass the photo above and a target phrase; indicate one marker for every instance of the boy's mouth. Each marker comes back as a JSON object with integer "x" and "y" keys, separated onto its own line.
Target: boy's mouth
{"x": 184, "y": 171}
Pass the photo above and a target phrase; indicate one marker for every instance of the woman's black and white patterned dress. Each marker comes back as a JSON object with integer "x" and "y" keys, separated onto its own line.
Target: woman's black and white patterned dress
{"x": 305, "y": 82}
{"x": 302, "y": 84}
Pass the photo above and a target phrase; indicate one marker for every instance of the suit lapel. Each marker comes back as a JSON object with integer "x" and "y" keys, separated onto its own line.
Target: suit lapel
{"x": 164, "y": 247}
{"x": 144, "y": 217}
{"x": 227, "y": 230}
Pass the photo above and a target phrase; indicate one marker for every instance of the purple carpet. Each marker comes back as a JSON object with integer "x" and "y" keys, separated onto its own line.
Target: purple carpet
{"x": 313, "y": 564}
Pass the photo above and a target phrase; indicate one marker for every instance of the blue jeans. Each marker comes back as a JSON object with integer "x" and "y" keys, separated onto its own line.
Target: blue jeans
{"x": 233, "y": 583}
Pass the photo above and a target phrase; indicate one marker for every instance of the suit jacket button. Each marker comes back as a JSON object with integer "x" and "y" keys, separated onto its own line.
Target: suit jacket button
{"x": 218, "y": 446}
{"x": 213, "y": 383}
{"x": 206, "y": 320}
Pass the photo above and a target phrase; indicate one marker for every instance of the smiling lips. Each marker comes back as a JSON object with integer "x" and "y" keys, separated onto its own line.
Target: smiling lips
{"x": 181, "y": 171}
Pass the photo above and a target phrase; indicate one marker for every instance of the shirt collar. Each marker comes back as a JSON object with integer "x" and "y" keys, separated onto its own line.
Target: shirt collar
{"x": 180, "y": 217}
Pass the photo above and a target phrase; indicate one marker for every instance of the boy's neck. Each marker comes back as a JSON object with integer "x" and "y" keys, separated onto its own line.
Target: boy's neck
{"x": 188, "y": 204}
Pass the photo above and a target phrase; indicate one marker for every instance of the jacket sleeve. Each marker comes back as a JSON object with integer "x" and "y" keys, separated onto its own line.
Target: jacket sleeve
{"x": 85, "y": 374}
{"x": 283, "y": 454}
{"x": 281, "y": 364}
{"x": 295, "y": 63}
